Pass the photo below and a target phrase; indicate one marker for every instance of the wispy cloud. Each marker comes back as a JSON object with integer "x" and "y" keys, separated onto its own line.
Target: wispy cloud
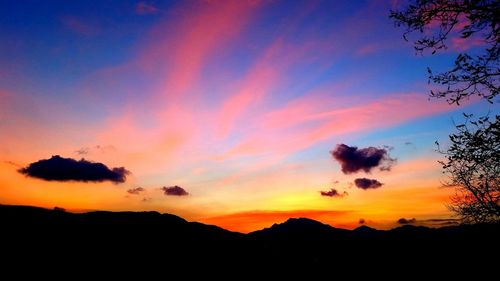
{"x": 136, "y": 190}
{"x": 144, "y": 8}
{"x": 79, "y": 26}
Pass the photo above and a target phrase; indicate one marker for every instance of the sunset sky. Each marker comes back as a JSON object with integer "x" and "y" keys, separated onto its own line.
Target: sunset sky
{"x": 224, "y": 112}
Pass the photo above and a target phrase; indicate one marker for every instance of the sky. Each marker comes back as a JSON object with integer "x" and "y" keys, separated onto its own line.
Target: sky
{"x": 234, "y": 113}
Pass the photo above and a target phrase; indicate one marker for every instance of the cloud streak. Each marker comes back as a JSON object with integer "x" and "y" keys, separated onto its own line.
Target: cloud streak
{"x": 79, "y": 26}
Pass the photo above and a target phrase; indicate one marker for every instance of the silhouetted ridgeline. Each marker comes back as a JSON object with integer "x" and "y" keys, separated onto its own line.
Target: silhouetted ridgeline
{"x": 147, "y": 239}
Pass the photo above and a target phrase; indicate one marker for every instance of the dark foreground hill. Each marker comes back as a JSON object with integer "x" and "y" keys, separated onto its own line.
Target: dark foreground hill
{"x": 126, "y": 241}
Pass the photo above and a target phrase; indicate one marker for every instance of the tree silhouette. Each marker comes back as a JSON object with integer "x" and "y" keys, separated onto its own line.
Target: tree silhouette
{"x": 473, "y": 158}
{"x": 437, "y": 21}
{"x": 473, "y": 168}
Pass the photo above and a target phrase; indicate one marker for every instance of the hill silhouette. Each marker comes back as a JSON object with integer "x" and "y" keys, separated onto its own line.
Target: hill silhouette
{"x": 35, "y": 235}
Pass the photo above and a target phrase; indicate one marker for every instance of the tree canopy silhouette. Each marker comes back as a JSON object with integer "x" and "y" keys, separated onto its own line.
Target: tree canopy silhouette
{"x": 473, "y": 168}
{"x": 474, "y": 20}
{"x": 473, "y": 158}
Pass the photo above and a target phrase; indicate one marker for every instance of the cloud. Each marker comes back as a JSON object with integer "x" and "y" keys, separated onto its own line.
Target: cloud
{"x": 440, "y": 222}
{"x": 96, "y": 149}
{"x": 82, "y": 151}
{"x": 12, "y": 163}
{"x": 66, "y": 169}
{"x": 333, "y": 193}
{"x": 79, "y": 26}
{"x": 361, "y": 221}
{"x": 136, "y": 190}
{"x": 174, "y": 191}
{"x": 410, "y": 144}
{"x": 407, "y": 221}
{"x": 352, "y": 159}
{"x": 143, "y": 8}
{"x": 365, "y": 183}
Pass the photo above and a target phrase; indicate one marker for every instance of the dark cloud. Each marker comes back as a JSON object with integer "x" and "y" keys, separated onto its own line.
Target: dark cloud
{"x": 407, "y": 221}
{"x": 365, "y": 183}
{"x": 353, "y": 160}
{"x": 136, "y": 190}
{"x": 333, "y": 193}
{"x": 174, "y": 191}
{"x": 408, "y": 143}
{"x": 362, "y": 221}
{"x": 66, "y": 169}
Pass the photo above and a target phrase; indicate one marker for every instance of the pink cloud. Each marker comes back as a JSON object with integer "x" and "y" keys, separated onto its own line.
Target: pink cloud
{"x": 143, "y": 8}
{"x": 171, "y": 126}
{"x": 463, "y": 44}
{"x": 376, "y": 46}
{"x": 79, "y": 26}
{"x": 257, "y": 83}
{"x": 184, "y": 42}
{"x": 300, "y": 124}
{"x": 458, "y": 43}
{"x": 270, "y": 71}
{"x": 174, "y": 53}
{"x": 369, "y": 49}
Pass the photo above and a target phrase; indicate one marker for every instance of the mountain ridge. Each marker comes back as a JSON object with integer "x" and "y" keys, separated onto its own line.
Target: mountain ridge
{"x": 291, "y": 224}
{"x": 34, "y": 236}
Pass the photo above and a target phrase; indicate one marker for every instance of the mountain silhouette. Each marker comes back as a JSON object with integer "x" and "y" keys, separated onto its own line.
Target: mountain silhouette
{"x": 366, "y": 231}
{"x": 298, "y": 227}
{"x": 101, "y": 239}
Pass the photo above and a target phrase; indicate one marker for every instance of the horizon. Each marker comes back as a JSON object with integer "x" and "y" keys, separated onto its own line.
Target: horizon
{"x": 239, "y": 114}
{"x": 435, "y": 223}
